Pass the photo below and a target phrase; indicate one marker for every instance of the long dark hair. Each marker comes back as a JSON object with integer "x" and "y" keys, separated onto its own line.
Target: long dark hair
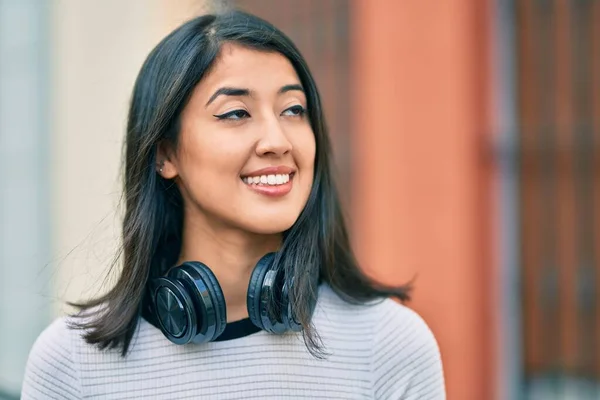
{"x": 317, "y": 246}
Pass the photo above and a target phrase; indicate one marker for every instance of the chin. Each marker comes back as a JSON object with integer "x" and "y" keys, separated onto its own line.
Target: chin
{"x": 271, "y": 228}
{"x": 270, "y": 224}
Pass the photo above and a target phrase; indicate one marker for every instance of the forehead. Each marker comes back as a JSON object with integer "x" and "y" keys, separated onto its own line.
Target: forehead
{"x": 239, "y": 66}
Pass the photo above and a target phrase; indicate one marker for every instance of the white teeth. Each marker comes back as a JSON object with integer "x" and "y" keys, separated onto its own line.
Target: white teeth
{"x": 270, "y": 180}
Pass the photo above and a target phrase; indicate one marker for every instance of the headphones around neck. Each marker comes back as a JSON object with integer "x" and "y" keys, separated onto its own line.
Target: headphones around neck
{"x": 189, "y": 305}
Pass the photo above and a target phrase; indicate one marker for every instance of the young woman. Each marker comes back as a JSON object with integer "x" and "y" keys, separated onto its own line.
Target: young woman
{"x": 238, "y": 280}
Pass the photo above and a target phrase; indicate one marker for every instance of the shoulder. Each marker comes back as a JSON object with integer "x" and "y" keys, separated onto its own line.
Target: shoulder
{"x": 383, "y": 314}
{"x": 399, "y": 323}
{"x": 51, "y": 372}
{"x": 405, "y": 358}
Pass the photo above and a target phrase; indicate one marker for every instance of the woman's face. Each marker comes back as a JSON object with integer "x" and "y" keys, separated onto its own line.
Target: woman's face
{"x": 246, "y": 151}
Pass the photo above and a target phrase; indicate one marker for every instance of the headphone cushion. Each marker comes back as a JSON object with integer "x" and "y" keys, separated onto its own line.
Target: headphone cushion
{"x": 253, "y": 298}
{"x": 216, "y": 294}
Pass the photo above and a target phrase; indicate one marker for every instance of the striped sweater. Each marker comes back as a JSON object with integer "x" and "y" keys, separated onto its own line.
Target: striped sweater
{"x": 378, "y": 351}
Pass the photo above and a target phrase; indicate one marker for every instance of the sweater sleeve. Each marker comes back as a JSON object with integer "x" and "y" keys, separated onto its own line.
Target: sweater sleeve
{"x": 51, "y": 372}
{"x": 406, "y": 358}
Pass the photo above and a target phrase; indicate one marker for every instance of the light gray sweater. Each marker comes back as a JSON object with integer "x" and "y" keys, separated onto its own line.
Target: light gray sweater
{"x": 379, "y": 351}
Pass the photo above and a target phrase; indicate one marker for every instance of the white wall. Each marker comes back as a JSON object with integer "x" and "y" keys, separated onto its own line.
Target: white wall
{"x": 99, "y": 47}
{"x": 67, "y": 68}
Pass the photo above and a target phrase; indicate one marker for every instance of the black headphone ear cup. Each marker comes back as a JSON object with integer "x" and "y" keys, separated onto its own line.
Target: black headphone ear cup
{"x": 253, "y": 297}
{"x": 272, "y": 287}
{"x": 218, "y": 296}
{"x": 174, "y": 310}
{"x": 207, "y": 295}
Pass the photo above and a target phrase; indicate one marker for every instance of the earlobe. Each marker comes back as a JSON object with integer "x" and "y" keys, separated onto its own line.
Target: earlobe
{"x": 166, "y": 169}
{"x": 164, "y": 166}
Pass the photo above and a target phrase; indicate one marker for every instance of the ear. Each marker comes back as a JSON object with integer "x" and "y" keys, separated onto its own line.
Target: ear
{"x": 165, "y": 165}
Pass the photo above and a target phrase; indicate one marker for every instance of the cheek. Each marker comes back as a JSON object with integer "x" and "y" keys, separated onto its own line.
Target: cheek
{"x": 306, "y": 151}
{"x": 304, "y": 157}
{"x": 209, "y": 168}
{"x": 210, "y": 157}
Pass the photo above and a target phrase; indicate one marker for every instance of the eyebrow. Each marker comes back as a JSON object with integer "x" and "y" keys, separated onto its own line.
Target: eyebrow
{"x": 228, "y": 91}
{"x": 288, "y": 88}
{"x": 231, "y": 91}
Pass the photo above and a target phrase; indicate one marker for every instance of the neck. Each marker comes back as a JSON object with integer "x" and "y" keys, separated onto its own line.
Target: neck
{"x": 231, "y": 254}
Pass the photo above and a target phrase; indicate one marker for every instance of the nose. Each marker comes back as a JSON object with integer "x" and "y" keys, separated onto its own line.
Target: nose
{"x": 273, "y": 139}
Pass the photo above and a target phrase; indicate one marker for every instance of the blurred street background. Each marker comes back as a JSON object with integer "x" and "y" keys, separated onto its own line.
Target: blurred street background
{"x": 467, "y": 142}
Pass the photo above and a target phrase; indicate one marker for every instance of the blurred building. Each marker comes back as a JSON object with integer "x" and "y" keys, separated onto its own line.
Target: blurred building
{"x": 466, "y": 135}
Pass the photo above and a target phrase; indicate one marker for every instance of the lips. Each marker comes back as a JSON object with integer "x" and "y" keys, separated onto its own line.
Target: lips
{"x": 270, "y": 181}
{"x": 271, "y": 176}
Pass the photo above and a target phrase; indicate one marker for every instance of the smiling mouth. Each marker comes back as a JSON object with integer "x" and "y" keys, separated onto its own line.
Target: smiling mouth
{"x": 268, "y": 180}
